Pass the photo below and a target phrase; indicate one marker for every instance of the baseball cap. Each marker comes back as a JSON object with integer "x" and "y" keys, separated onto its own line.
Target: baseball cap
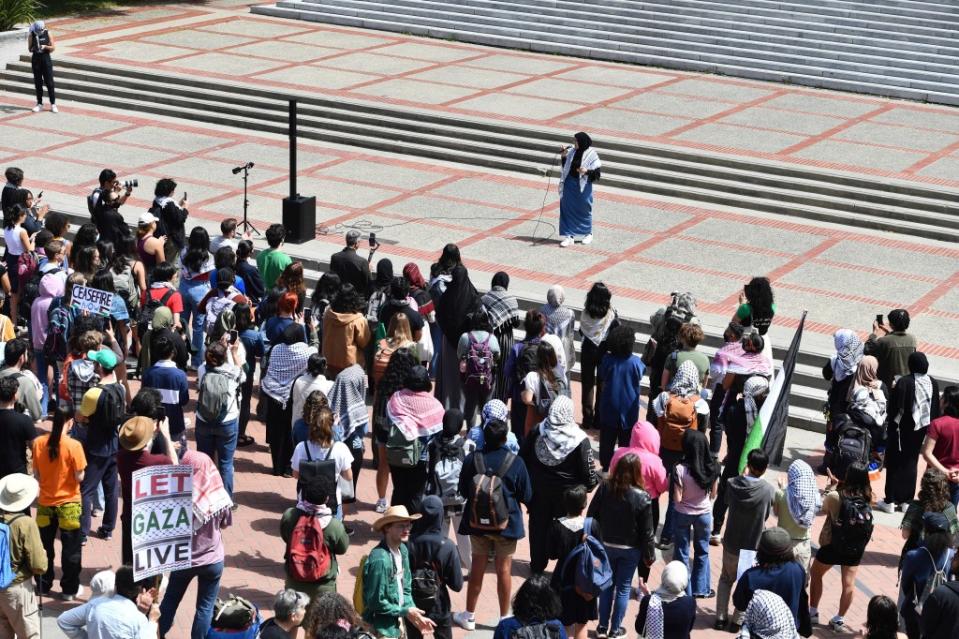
{"x": 104, "y": 357}
{"x": 147, "y": 218}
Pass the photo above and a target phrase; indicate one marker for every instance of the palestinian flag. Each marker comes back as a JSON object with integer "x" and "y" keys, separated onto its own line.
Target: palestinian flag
{"x": 769, "y": 429}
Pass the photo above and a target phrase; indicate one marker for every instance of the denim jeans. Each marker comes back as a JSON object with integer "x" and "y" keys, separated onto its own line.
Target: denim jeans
{"x": 100, "y": 470}
{"x": 954, "y": 494}
{"x": 193, "y": 293}
{"x": 670, "y": 459}
{"x": 208, "y": 587}
{"x": 700, "y": 527}
{"x": 45, "y": 383}
{"x": 623, "y": 562}
{"x": 219, "y": 442}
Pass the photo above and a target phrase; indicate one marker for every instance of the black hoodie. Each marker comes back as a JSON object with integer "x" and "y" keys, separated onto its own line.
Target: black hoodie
{"x": 429, "y": 544}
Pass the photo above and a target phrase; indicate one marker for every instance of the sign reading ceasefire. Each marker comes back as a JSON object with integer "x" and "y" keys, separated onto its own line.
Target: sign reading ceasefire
{"x": 162, "y": 519}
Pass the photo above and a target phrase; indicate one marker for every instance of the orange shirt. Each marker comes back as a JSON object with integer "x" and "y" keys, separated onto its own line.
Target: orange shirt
{"x": 58, "y": 480}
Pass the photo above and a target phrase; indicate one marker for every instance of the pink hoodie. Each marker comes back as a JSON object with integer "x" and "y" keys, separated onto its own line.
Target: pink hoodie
{"x": 644, "y": 443}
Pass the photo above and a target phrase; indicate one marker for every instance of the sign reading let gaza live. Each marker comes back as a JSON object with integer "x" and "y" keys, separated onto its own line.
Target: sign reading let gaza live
{"x": 91, "y": 299}
{"x": 162, "y": 519}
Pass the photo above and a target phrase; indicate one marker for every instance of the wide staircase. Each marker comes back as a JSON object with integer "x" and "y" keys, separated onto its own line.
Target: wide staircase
{"x": 895, "y": 48}
{"x": 746, "y": 184}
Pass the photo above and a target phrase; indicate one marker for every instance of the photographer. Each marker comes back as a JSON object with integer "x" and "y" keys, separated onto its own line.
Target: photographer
{"x": 40, "y": 44}
{"x": 104, "y": 205}
{"x": 172, "y": 218}
{"x": 36, "y": 210}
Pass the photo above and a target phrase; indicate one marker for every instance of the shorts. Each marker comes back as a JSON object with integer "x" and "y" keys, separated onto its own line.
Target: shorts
{"x": 497, "y": 544}
{"x": 831, "y": 555}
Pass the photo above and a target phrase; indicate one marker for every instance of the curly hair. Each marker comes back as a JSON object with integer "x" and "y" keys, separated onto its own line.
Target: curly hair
{"x": 397, "y": 370}
{"x": 933, "y": 491}
{"x": 536, "y": 601}
{"x": 319, "y": 417}
{"x": 690, "y": 335}
{"x": 348, "y": 300}
{"x": 621, "y": 341}
{"x": 328, "y": 609}
{"x": 759, "y": 293}
{"x": 292, "y": 279}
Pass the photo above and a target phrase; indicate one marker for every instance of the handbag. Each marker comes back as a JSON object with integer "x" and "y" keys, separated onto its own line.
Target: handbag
{"x": 233, "y": 613}
{"x": 347, "y": 490}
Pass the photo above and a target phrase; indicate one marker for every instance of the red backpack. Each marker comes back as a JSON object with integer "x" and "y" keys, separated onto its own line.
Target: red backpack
{"x": 307, "y": 555}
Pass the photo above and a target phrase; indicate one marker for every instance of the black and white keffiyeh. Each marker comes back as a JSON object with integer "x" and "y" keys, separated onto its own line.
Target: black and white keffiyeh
{"x": 500, "y": 305}
{"x": 287, "y": 362}
{"x": 348, "y": 401}
{"x": 802, "y": 493}
{"x": 768, "y": 617}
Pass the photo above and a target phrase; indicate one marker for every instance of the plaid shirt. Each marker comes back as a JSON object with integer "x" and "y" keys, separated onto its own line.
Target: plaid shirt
{"x": 77, "y": 387}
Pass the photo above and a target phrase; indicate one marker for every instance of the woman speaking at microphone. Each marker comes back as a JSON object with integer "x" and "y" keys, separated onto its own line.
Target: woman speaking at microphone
{"x": 581, "y": 168}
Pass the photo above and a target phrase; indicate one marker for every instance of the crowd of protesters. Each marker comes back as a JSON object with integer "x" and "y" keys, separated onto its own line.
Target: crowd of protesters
{"x": 468, "y": 406}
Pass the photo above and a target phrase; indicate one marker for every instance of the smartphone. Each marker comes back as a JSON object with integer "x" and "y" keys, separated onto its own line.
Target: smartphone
{"x": 234, "y": 336}
{"x": 879, "y": 319}
{"x": 308, "y": 316}
{"x": 184, "y": 195}
{"x": 40, "y": 195}
{"x": 372, "y": 239}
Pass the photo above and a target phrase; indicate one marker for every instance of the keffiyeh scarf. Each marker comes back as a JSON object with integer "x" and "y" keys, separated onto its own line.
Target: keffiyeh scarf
{"x": 500, "y": 305}
{"x": 287, "y": 362}
{"x": 768, "y": 616}
{"x": 686, "y": 380}
{"x": 802, "y": 494}
{"x": 348, "y": 401}
{"x": 848, "y": 354}
{"x": 595, "y": 329}
{"x": 209, "y": 496}
{"x": 415, "y": 414}
{"x": 754, "y": 387}
{"x": 590, "y": 161}
{"x": 674, "y": 580}
{"x": 559, "y": 435}
{"x": 922, "y": 402}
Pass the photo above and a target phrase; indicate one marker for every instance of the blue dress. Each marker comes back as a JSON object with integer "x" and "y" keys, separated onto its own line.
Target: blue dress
{"x": 575, "y": 207}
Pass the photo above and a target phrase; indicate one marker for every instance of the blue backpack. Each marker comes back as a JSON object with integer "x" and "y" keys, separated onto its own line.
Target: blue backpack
{"x": 7, "y": 573}
{"x": 589, "y": 562}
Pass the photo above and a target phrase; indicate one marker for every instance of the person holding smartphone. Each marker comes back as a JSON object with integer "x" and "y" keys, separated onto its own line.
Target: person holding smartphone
{"x": 351, "y": 267}
{"x": 40, "y": 44}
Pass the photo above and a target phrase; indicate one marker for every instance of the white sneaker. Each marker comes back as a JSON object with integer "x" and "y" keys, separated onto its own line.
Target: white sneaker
{"x": 37, "y": 108}
{"x": 566, "y": 242}
{"x": 54, "y": 109}
{"x": 79, "y": 593}
{"x": 465, "y": 620}
{"x": 381, "y": 506}
{"x": 588, "y": 239}
{"x": 884, "y": 507}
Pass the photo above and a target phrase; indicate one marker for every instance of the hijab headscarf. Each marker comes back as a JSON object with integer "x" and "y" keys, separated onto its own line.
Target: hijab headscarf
{"x": 802, "y": 493}
{"x": 686, "y": 380}
{"x": 697, "y": 459}
{"x": 384, "y": 273}
{"x": 209, "y": 496}
{"x": 348, "y": 401}
{"x": 849, "y": 350}
{"x": 412, "y": 274}
{"x": 867, "y": 374}
{"x": 557, "y": 316}
{"x": 559, "y": 435}
{"x": 495, "y": 409}
{"x": 865, "y": 394}
{"x": 672, "y": 587}
{"x": 768, "y": 617}
{"x": 922, "y": 400}
{"x": 583, "y": 142}
{"x": 754, "y": 388}
{"x": 458, "y": 300}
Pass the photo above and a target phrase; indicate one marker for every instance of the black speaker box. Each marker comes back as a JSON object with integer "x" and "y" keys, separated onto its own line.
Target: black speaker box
{"x": 299, "y": 218}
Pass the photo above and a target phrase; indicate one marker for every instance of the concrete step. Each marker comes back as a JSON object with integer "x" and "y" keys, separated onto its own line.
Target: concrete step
{"x": 562, "y": 27}
{"x": 824, "y": 197}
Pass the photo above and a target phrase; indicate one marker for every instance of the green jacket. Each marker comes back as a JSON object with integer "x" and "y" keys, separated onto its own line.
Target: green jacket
{"x": 336, "y": 539}
{"x": 384, "y": 608}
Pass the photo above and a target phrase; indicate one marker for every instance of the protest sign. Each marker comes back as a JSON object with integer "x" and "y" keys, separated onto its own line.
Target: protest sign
{"x": 92, "y": 299}
{"x": 162, "y": 522}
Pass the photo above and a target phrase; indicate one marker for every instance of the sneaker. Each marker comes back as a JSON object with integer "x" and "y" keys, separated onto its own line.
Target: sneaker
{"x": 589, "y": 240}
{"x": 715, "y": 540}
{"x": 839, "y": 626}
{"x": 465, "y": 620}
{"x": 885, "y": 507}
{"x": 707, "y": 595}
{"x": 602, "y": 632}
{"x": 664, "y": 544}
{"x": 381, "y": 506}
{"x": 103, "y": 534}
{"x": 814, "y": 617}
{"x": 37, "y": 108}
{"x": 618, "y": 633}
{"x": 54, "y": 109}
{"x": 78, "y": 593}
{"x": 566, "y": 242}
{"x": 97, "y": 512}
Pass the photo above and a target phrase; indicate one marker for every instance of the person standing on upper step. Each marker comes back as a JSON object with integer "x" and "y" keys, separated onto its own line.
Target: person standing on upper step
{"x": 580, "y": 169}
{"x": 40, "y": 44}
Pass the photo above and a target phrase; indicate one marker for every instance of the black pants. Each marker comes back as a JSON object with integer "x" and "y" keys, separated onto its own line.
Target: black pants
{"x": 246, "y": 393}
{"x": 126, "y": 539}
{"x": 547, "y": 506}
{"x": 902, "y": 461}
{"x": 279, "y": 434}
{"x": 100, "y": 469}
{"x": 357, "y": 446}
{"x": 720, "y": 506}
{"x": 43, "y": 74}
{"x": 609, "y": 438}
{"x": 71, "y": 542}
{"x": 716, "y": 417}
{"x": 409, "y": 484}
{"x": 590, "y": 357}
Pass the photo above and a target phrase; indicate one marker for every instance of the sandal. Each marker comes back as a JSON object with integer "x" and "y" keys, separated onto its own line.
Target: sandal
{"x": 245, "y": 440}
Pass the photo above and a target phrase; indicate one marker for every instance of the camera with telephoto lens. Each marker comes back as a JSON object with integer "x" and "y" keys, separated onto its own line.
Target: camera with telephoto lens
{"x": 131, "y": 184}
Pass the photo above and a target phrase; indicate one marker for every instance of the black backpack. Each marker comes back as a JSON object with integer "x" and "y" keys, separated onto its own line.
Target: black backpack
{"x": 543, "y": 630}
{"x": 853, "y": 445}
{"x": 426, "y": 584}
{"x": 93, "y": 200}
{"x": 853, "y": 528}
{"x": 145, "y": 318}
{"x": 30, "y": 290}
{"x": 526, "y": 360}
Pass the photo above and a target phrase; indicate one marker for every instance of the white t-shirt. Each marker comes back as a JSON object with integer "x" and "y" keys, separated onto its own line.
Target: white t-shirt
{"x": 532, "y": 384}
{"x": 557, "y": 344}
{"x": 302, "y": 387}
{"x": 340, "y": 454}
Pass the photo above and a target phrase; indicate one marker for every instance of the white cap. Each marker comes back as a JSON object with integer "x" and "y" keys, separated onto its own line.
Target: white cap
{"x": 147, "y": 218}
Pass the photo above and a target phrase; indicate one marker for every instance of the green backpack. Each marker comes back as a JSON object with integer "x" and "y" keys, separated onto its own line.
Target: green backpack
{"x": 400, "y": 451}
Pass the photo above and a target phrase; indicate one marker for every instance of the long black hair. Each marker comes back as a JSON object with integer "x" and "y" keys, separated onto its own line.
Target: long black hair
{"x": 198, "y": 249}
{"x": 60, "y": 419}
{"x": 950, "y": 401}
{"x": 882, "y": 618}
{"x": 125, "y": 253}
{"x": 536, "y": 601}
{"x": 598, "y": 300}
{"x": 759, "y": 293}
{"x": 449, "y": 258}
